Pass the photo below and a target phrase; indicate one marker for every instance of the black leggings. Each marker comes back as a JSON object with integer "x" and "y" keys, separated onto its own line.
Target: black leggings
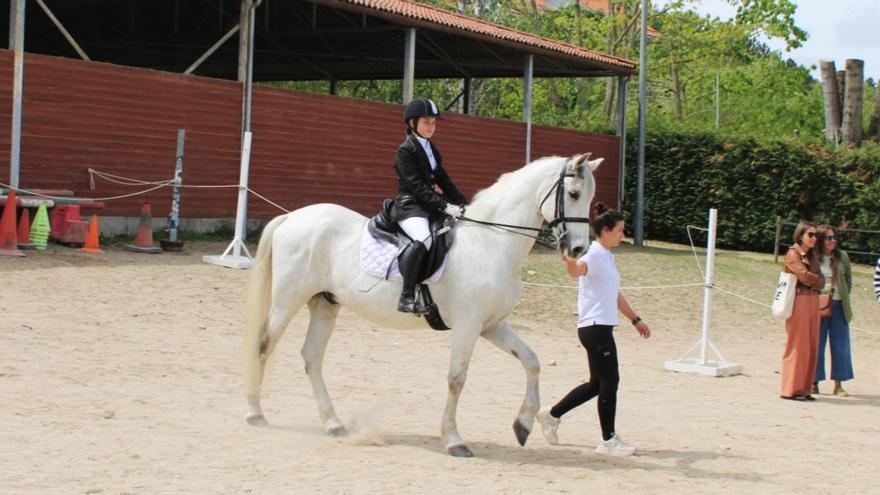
{"x": 604, "y": 377}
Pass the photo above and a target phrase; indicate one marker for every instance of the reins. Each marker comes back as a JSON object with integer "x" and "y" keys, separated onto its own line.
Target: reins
{"x": 507, "y": 228}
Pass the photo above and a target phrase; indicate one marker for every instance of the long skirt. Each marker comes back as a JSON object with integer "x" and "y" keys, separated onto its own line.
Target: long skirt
{"x": 801, "y": 347}
{"x": 836, "y": 330}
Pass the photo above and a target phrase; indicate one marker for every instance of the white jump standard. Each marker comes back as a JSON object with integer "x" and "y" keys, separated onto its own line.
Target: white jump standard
{"x": 702, "y": 364}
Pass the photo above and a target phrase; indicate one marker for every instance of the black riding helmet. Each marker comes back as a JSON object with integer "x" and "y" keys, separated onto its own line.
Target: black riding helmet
{"x": 418, "y": 108}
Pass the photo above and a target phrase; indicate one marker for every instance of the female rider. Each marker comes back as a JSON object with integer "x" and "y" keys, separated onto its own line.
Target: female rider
{"x": 424, "y": 191}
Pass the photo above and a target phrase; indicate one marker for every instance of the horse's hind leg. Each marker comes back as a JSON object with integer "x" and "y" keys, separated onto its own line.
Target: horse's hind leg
{"x": 503, "y": 336}
{"x": 270, "y": 333}
{"x": 320, "y": 328}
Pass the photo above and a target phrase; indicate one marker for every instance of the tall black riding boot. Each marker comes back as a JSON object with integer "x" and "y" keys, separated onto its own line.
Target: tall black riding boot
{"x": 410, "y": 263}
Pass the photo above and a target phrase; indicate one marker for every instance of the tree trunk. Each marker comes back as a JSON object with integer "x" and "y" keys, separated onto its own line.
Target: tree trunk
{"x": 841, "y": 91}
{"x": 874, "y": 123}
{"x": 583, "y": 86}
{"x": 610, "y": 93}
{"x": 832, "y": 99}
{"x": 852, "y": 116}
{"x": 553, "y": 93}
{"x": 676, "y": 92}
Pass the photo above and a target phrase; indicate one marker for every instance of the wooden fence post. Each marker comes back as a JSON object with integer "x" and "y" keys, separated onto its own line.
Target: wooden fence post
{"x": 776, "y": 241}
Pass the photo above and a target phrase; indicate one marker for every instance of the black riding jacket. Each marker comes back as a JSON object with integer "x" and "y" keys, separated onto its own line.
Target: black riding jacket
{"x": 416, "y": 180}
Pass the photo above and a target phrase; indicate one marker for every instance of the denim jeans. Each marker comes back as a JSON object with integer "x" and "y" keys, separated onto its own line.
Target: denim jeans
{"x": 835, "y": 329}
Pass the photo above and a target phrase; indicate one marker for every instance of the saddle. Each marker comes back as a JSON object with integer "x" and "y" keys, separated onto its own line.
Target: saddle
{"x": 384, "y": 228}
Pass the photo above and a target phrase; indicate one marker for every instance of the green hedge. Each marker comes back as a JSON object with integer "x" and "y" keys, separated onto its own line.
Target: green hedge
{"x": 750, "y": 183}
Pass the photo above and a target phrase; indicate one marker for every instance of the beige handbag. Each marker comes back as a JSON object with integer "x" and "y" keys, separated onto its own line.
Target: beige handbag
{"x": 783, "y": 298}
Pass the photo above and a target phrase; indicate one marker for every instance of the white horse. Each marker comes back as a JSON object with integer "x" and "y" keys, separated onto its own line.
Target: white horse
{"x": 310, "y": 256}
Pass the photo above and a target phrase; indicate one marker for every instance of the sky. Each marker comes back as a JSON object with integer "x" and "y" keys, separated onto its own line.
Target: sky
{"x": 837, "y": 30}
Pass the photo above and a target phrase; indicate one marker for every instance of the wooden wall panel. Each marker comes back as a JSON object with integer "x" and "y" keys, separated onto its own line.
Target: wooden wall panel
{"x": 307, "y": 147}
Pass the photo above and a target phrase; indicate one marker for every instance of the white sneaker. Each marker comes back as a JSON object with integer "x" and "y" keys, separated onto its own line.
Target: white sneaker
{"x": 549, "y": 424}
{"x": 616, "y": 447}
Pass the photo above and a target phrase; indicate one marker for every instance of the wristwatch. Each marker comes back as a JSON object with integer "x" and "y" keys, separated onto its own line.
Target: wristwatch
{"x": 636, "y": 320}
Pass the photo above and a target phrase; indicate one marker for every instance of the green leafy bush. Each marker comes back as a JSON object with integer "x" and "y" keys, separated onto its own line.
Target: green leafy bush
{"x": 751, "y": 182}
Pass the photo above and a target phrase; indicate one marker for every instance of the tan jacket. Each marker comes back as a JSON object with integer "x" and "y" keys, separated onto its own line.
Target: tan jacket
{"x": 808, "y": 273}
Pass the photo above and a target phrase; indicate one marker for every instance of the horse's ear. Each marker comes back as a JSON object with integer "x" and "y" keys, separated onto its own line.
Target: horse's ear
{"x": 577, "y": 162}
{"x": 594, "y": 164}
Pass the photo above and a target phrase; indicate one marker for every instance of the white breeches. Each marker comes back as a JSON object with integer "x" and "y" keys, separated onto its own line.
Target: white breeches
{"x": 417, "y": 228}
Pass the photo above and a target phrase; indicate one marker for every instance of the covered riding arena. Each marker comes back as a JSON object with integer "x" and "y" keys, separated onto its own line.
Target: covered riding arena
{"x": 120, "y": 111}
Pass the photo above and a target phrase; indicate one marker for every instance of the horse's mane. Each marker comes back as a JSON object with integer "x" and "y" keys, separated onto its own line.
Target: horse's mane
{"x": 501, "y": 186}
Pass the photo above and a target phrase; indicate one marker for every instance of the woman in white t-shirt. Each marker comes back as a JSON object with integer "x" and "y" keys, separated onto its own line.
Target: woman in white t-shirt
{"x": 599, "y": 300}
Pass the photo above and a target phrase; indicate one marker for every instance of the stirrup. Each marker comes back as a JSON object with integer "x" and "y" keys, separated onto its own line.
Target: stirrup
{"x": 412, "y": 306}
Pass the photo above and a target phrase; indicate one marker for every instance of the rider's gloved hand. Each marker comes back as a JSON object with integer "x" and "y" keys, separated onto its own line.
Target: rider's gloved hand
{"x": 454, "y": 211}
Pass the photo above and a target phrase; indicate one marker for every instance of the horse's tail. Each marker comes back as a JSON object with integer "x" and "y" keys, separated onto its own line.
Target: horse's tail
{"x": 259, "y": 301}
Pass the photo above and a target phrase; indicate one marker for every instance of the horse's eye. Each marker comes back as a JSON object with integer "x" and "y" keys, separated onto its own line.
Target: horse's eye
{"x": 575, "y": 195}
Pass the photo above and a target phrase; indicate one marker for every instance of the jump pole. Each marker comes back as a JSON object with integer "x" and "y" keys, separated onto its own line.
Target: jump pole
{"x": 232, "y": 257}
{"x": 702, "y": 365}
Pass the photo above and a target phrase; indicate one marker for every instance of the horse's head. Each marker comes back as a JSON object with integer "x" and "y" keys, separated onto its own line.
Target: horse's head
{"x": 567, "y": 209}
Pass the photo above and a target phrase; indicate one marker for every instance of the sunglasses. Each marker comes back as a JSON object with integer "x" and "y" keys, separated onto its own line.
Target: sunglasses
{"x": 831, "y": 238}
{"x": 811, "y": 234}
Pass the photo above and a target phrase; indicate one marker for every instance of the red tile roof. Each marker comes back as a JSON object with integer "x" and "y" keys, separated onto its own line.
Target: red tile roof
{"x": 452, "y": 21}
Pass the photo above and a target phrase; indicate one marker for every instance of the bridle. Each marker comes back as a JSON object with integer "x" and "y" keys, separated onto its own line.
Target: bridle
{"x": 559, "y": 218}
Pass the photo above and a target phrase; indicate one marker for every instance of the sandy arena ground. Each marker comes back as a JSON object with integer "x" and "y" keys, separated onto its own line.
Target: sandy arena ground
{"x": 120, "y": 374}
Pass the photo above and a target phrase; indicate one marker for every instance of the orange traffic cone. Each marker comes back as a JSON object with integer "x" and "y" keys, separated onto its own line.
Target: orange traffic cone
{"x": 143, "y": 241}
{"x": 24, "y": 230}
{"x": 92, "y": 243}
{"x": 8, "y": 236}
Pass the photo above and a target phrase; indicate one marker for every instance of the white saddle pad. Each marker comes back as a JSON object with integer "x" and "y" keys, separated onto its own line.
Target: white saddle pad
{"x": 378, "y": 254}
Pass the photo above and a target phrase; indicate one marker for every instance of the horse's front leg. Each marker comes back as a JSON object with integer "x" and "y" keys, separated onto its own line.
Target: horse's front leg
{"x": 503, "y": 336}
{"x": 464, "y": 337}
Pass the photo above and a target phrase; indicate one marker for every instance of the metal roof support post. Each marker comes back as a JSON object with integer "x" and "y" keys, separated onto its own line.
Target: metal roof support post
{"x": 409, "y": 65}
{"x": 466, "y": 106}
{"x": 621, "y": 133}
{"x": 249, "y": 67}
{"x": 248, "y": 87}
{"x": 639, "y": 233}
{"x": 527, "y": 103}
{"x": 237, "y": 254}
{"x": 16, "y": 42}
{"x": 244, "y": 37}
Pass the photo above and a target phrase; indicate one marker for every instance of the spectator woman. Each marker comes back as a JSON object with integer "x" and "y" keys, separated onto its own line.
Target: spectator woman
{"x": 837, "y": 270}
{"x": 802, "y": 327}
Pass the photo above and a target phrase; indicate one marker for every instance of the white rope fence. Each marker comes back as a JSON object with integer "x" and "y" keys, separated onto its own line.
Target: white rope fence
{"x": 128, "y": 181}
{"x": 646, "y": 287}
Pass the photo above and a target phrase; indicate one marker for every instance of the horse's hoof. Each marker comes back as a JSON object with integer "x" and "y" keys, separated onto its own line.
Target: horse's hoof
{"x": 522, "y": 433}
{"x": 460, "y": 451}
{"x": 258, "y": 420}
{"x": 337, "y": 430}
